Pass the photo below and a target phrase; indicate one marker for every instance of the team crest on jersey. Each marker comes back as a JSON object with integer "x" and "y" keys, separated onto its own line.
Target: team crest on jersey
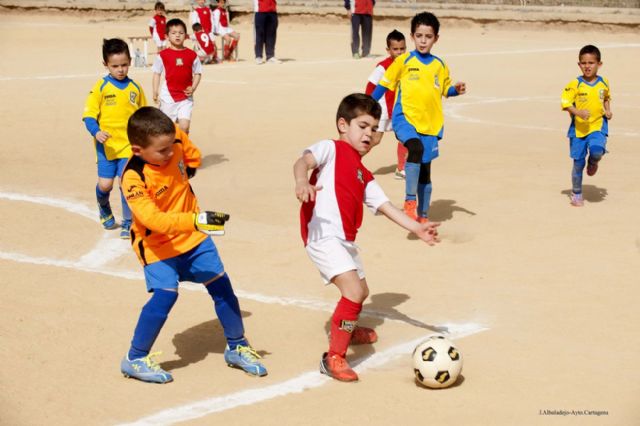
{"x": 179, "y": 62}
{"x": 436, "y": 82}
{"x": 132, "y": 97}
{"x": 181, "y": 168}
{"x": 601, "y": 93}
{"x": 360, "y": 176}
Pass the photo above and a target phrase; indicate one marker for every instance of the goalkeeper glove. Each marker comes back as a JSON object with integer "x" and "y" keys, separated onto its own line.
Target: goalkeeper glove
{"x": 211, "y": 223}
{"x": 191, "y": 172}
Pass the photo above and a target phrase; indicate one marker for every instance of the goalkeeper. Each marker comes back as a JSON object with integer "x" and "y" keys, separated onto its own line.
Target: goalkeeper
{"x": 169, "y": 235}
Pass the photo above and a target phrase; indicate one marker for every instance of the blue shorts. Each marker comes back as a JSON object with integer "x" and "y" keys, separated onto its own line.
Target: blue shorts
{"x": 405, "y": 131}
{"x": 578, "y": 146}
{"x": 199, "y": 265}
{"x": 109, "y": 169}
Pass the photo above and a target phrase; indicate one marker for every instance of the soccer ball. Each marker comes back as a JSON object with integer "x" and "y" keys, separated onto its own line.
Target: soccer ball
{"x": 437, "y": 362}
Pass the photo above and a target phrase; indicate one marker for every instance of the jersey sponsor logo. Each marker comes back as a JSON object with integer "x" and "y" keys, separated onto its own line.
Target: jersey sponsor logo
{"x": 413, "y": 69}
{"x": 161, "y": 191}
{"x": 110, "y": 100}
{"x": 179, "y": 62}
{"x": 134, "y": 195}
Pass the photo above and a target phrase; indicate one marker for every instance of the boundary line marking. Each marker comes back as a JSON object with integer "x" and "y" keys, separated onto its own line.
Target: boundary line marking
{"x": 300, "y": 383}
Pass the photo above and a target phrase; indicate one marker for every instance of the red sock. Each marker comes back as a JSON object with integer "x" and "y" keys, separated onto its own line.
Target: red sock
{"x": 343, "y": 323}
{"x": 402, "y": 152}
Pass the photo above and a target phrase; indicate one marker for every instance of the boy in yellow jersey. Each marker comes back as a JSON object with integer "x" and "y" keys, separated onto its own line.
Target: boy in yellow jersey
{"x": 169, "y": 237}
{"x": 420, "y": 80}
{"x": 587, "y": 99}
{"x": 109, "y": 105}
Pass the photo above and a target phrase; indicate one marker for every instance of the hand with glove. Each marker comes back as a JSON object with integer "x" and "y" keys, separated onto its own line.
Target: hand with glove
{"x": 211, "y": 223}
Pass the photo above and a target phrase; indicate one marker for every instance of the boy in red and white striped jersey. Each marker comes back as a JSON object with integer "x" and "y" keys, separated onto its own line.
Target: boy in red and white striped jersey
{"x": 157, "y": 26}
{"x": 331, "y": 214}
{"x": 204, "y": 45}
{"x": 396, "y": 46}
{"x": 182, "y": 71}
{"x": 221, "y": 27}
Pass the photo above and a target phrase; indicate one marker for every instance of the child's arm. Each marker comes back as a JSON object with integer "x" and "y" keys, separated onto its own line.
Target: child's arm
{"x": 92, "y": 112}
{"x": 194, "y": 85}
{"x": 427, "y": 232}
{"x": 304, "y": 190}
{"x": 156, "y": 86}
{"x": 582, "y": 113}
{"x": 607, "y": 109}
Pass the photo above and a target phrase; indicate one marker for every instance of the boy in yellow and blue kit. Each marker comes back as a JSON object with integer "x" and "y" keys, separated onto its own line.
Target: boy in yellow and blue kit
{"x": 588, "y": 100}
{"x": 170, "y": 236}
{"x": 112, "y": 100}
{"x": 420, "y": 80}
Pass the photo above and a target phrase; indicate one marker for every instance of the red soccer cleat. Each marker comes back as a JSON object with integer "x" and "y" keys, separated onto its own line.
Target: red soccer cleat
{"x": 337, "y": 367}
{"x": 363, "y": 336}
{"x": 592, "y": 168}
{"x": 410, "y": 209}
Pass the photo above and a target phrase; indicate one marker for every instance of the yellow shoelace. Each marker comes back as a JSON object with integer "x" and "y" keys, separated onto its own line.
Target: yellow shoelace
{"x": 249, "y": 351}
{"x": 152, "y": 363}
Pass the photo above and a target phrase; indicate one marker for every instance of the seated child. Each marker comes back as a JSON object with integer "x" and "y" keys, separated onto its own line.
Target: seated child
{"x": 204, "y": 45}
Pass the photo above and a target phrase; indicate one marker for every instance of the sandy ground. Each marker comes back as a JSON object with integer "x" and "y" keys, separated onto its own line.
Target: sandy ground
{"x": 540, "y": 297}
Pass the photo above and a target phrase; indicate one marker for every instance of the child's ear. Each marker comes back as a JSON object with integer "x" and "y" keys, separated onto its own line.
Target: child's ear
{"x": 342, "y": 125}
{"x": 136, "y": 150}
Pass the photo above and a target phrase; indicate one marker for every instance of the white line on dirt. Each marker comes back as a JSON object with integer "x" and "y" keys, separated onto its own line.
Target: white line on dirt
{"x": 300, "y": 383}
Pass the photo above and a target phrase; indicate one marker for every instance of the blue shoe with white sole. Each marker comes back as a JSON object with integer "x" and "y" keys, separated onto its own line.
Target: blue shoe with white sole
{"x": 245, "y": 358}
{"x": 145, "y": 369}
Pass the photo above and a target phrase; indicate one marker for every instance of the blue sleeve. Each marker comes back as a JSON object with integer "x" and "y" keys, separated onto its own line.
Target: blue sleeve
{"x": 92, "y": 125}
{"x": 378, "y": 92}
{"x": 347, "y": 4}
{"x": 452, "y": 92}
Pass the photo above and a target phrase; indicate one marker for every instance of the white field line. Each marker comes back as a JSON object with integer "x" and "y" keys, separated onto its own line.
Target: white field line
{"x": 345, "y": 60}
{"x": 109, "y": 248}
{"x": 298, "y": 384}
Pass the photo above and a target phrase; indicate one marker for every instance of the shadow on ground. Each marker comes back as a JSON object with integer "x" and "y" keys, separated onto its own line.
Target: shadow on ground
{"x": 590, "y": 193}
{"x": 195, "y": 343}
{"x": 212, "y": 160}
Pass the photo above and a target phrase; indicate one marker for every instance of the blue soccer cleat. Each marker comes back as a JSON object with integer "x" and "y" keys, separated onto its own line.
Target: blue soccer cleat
{"x": 106, "y": 216}
{"x": 245, "y": 358}
{"x": 145, "y": 369}
{"x": 125, "y": 229}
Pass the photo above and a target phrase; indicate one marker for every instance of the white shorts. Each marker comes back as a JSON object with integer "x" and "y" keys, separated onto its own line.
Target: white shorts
{"x": 384, "y": 125}
{"x": 160, "y": 43}
{"x": 177, "y": 110}
{"x": 333, "y": 256}
{"x": 223, "y": 31}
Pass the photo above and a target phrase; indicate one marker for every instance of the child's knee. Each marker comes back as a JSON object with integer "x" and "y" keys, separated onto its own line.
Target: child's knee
{"x": 105, "y": 184}
{"x": 596, "y": 153}
{"x": 415, "y": 148}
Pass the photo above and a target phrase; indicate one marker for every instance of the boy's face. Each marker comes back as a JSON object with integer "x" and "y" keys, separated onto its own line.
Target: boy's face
{"x": 176, "y": 36}
{"x": 200, "y": 3}
{"x": 589, "y": 66}
{"x": 396, "y": 48}
{"x": 359, "y": 132}
{"x": 424, "y": 38}
{"x": 158, "y": 152}
{"x": 160, "y": 11}
{"x": 118, "y": 65}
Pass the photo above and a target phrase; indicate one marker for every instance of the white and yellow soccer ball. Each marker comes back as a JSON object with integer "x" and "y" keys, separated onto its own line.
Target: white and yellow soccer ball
{"x": 437, "y": 362}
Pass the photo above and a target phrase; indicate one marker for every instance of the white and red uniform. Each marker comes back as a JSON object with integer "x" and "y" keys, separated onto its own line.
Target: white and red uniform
{"x": 158, "y": 29}
{"x": 202, "y": 16}
{"x": 178, "y": 68}
{"x": 205, "y": 43}
{"x": 386, "y": 102}
{"x": 346, "y": 185}
{"x": 220, "y": 21}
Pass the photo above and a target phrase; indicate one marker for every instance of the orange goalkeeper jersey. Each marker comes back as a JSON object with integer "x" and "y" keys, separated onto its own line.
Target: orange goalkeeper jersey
{"x": 163, "y": 203}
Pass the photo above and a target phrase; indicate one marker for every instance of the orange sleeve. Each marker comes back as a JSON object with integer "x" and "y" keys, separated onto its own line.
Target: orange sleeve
{"x": 191, "y": 153}
{"x": 146, "y": 211}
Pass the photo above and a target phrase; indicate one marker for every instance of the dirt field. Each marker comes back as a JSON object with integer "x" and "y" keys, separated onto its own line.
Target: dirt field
{"x": 540, "y": 296}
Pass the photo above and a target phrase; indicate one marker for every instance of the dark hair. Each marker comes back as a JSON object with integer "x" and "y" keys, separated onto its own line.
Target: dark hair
{"x": 425, "y": 18}
{"x": 394, "y": 35}
{"x": 176, "y": 22}
{"x": 148, "y": 121}
{"x": 196, "y": 27}
{"x": 590, "y": 49}
{"x": 114, "y": 46}
{"x": 158, "y": 5}
{"x": 357, "y": 104}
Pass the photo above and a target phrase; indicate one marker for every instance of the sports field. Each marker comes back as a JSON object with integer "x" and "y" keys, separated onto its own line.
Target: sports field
{"x": 541, "y": 297}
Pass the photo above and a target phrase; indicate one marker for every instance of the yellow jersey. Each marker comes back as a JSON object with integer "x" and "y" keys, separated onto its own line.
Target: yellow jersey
{"x": 420, "y": 81}
{"x": 111, "y": 102}
{"x": 590, "y": 96}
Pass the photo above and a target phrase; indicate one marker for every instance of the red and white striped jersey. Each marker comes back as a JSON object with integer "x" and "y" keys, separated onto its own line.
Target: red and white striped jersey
{"x": 386, "y": 103}
{"x": 178, "y": 68}
{"x": 204, "y": 41}
{"x": 346, "y": 185}
{"x": 158, "y": 27}
{"x": 220, "y": 19}
{"x": 202, "y": 16}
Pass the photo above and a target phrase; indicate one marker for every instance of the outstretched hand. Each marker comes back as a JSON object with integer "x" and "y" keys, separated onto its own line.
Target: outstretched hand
{"x": 461, "y": 87}
{"x": 306, "y": 192}
{"x": 428, "y": 232}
